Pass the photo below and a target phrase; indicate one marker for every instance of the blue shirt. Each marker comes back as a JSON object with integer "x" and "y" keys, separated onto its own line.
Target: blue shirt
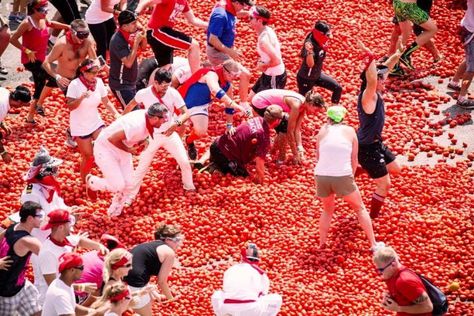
{"x": 222, "y": 25}
{"x": 199, "y": 94}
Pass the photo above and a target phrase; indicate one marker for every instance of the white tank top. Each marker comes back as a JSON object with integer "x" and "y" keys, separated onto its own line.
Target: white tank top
{"x": 334, "y": 153}
{"x": 275, "y": 70}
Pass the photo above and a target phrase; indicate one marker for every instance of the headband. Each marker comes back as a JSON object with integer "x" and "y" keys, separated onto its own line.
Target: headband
{"x": 254, "y": 13}
{"x": 119, "y": 264}
{"x": 40, "y": 4}
{"x": 120, "y": 296}
{"x": 89, "y": 67}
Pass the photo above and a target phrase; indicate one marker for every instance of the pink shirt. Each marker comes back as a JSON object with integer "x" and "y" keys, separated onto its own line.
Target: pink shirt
{"x": 35, "y": 40}
{"x": 265, "y": 98}
{"x": 93, "y": 268}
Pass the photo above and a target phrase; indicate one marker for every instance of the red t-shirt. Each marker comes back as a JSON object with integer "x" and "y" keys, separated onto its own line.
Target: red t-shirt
{"x": 405, "y": 287}
{"x": 251, "y": 139}
{"x": 165, "y": 13}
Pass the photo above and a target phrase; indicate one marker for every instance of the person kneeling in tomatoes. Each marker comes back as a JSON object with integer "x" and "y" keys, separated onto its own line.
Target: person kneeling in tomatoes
{"x": 245, "y": 290}
{"x": 251, "y": 140}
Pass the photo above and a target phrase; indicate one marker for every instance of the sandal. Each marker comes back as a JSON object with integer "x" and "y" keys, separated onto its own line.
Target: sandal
{"x": 30, "y": 121}
{"x": 40, "y": 110}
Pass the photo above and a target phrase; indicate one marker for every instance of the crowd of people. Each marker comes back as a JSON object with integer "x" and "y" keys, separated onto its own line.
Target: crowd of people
{"x": 159, "y": 98}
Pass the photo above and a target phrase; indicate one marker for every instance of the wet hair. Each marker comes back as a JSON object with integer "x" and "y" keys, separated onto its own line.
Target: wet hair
{"x": 322, "y": 26}
{"x": 314, "y": 99}
{"x": 163, "y": 75}
{"x": 166, "y": 231}
{"x": 21, "y": 94}
{"x": 231, "y": 65}
{"x": 28, "y": 209}
{"x": 113, "y": 257}
{"x": 85, "y": 62}
{"x": 263, "y": 12}
{"x": 78, "y": 23}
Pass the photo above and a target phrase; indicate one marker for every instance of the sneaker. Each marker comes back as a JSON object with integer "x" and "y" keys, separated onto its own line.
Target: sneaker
{"x": 454, "y": 86}
{"x": 127, "y": 200}
{"x": 192, "y": 151}
{"x": 378, "y": 245}
{"x": 397, "y": 72}
{"x": 115, "y": 208}
{"x": 406, "y": 60}
{"x": 466, "y": 104}
{"x": 91, "y": 194}
{"x": 70, "y": 142}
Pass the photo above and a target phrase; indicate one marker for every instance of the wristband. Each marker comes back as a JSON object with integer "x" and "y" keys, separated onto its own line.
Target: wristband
{"x": 300, "y": 149}
{"x": 220, "y": 94}
{"x": 57, "y": 77}
{"x": 229, "y": 111}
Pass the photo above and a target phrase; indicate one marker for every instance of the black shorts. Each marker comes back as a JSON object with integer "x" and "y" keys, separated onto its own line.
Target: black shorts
{"x": 374, "y": 159}
{"x": 223, "y": 164}
{"x": 53, "y": 84}
{"x": 164, "y": 41}
{"x": 280, "y": 128}
{"x": 266, "y": 82}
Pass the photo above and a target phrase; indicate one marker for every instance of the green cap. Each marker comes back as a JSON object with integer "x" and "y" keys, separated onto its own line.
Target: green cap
{"x": 336, "y": 113}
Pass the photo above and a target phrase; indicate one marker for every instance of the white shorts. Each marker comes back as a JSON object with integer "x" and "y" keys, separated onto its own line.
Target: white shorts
{"x": 139, "y": 301}
{"x": 199, "y": 110}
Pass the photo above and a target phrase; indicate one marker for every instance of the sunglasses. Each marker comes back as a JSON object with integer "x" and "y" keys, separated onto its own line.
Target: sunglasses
{"x": 40, "y": 215}
{"x": 381, "y": 270}
{"x": 92, "y": 72}
{"x": 81, "y": 34}
{"x": 128, "y": 265}
{"x": 43, "y": 10}
{"x": 79, "y": 268}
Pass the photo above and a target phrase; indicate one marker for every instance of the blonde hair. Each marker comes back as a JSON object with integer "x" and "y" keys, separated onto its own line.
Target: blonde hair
{"x": 385, "y": 255}
{"x": 231, "y": 65}
{"x": 110, "y": 291}
{"x": 113, "y": 257}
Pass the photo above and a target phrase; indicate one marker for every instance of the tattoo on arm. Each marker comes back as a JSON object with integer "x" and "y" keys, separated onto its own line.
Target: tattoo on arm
{"x": 423, "y": 297}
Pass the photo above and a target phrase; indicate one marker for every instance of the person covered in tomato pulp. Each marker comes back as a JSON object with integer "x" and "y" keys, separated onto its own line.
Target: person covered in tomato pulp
{"x": 245, "y": 289}
{"x": 406, "y": 293}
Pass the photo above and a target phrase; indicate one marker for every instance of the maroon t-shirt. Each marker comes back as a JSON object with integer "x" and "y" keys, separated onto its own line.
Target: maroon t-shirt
{"x": 251, "y": 139}
{"x": 405, "y": 287}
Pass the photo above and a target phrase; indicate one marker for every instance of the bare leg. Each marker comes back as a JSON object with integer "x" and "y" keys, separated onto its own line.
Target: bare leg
{"x": 194, "y": 56}
{"x": 460, "y": 72}
{"x": 325, "y": 219}
{"x": 85, "y": 148}
{"x": 430, "y": 30}
{"x": 396, "y": 32}
{"x": 355, "y": 201}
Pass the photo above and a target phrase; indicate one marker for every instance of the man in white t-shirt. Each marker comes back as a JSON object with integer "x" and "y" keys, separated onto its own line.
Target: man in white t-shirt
{"x": 245, "y": 290}
{"x": 270, "y": 62}
{"x": 113, "y": 151}
{"x": 59, "y": 242}
{"x": 20, "y": 97}
{"x": 166, "y": 136}
{"x": 60, "y": 299}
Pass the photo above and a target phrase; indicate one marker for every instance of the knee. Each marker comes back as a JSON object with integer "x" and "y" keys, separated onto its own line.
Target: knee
{"x": 117, "y": 185}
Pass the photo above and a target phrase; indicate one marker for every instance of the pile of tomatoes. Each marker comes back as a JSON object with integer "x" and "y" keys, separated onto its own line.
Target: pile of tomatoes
{"x": 427, "y": 218}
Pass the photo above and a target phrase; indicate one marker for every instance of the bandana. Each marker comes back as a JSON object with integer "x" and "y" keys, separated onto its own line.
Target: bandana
{"x": 227, "y": 4}
{"x": 121, "y": 263}
{"x": 49, "y": 185}
{"x": 156, "y": 94}
{"x": 149, "y": 127}
{"x": 69, "y": 40}
{"x": 320, "y": 38}
{"x": 253, "y": 264}
{"x": 90, "y": 85}
{"x": 254, "y": 13}
{"x": 63, "y": 243}
{"x": 128, "y": 37}
{"x": 119, "y": 296}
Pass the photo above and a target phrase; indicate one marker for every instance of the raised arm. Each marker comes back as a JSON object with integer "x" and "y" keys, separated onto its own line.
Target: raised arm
{"x": 194, "y": 20}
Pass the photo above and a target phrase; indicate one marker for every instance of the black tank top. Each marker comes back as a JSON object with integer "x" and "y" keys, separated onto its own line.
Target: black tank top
{"x": 145, "y": 263}
{"x": 370, "y": 125}
{"x": 13, "y": 280}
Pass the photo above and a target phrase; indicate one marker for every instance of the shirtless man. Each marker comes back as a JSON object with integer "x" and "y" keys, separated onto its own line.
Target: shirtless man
{"x": 69, "y": 51}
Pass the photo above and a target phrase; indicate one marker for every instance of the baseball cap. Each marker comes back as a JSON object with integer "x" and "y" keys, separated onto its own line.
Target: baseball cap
{"x": 69, "y": 260}
{"x": 111, "y": 242}
{"x": 126, "y": 17}
{"x": 336, "y": 113}
{"x": 58, "y": 217}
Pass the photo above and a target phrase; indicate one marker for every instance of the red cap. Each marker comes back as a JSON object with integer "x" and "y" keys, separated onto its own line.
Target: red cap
{"x": 111, "y": 242}
{"x": 58, "y": 217}
{"x": 69, "y": 260}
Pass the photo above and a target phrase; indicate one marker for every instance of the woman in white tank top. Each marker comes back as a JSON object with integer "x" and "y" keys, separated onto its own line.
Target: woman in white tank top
{"x": 270, "y": 62}
{"x": 336, "y": 162}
